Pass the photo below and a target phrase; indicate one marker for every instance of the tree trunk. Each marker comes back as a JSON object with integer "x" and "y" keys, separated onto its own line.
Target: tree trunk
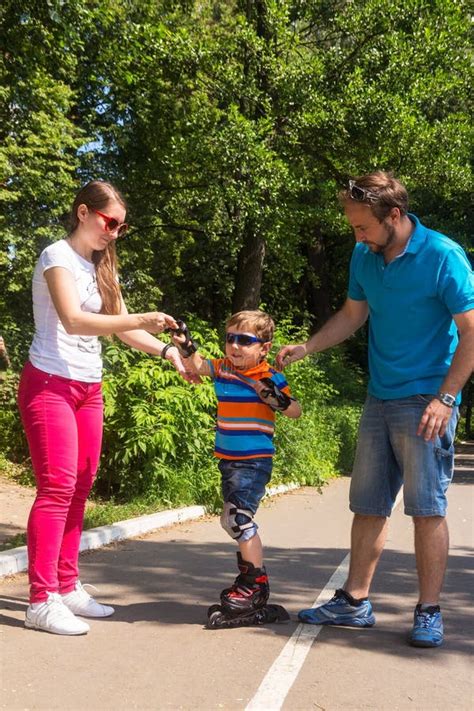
{"x": 248, "y": 279}
{"x": 317, "y": 283}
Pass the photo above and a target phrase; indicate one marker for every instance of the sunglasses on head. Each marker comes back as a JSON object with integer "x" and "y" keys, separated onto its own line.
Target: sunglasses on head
{"x": 361, "y": 194}
{"x": 242, "y": 339}
{"x": 111, "y": 224}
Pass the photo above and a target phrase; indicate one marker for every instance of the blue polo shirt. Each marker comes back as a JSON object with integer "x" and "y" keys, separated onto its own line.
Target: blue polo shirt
{"x": 412, "y": 335}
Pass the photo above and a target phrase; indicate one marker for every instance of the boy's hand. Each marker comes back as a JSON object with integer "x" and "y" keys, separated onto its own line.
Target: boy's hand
{"x": 271, "y": 395}
{"x": 173, "y": 356}
{"x": 177, "y": 338}
{"x": 184, "y": 340}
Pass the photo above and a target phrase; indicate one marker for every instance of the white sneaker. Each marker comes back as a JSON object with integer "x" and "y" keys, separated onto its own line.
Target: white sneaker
{"x": 53, "y": 616}
{"x": 81, "y": 603}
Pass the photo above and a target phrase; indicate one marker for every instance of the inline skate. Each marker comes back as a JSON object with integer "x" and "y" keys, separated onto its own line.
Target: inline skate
{"x": 245, "y": 602}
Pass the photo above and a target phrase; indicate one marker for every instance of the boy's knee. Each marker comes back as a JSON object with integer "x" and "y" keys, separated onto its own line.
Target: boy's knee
{"x": 238, "y": 523}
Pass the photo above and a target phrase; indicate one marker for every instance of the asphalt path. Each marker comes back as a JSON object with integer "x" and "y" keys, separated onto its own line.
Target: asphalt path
{"x": 155, "y": 653}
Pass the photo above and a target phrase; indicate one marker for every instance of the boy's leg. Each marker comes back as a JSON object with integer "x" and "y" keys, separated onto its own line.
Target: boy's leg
{"x": 243, "y": 486}
{"x": 252, "y": 550}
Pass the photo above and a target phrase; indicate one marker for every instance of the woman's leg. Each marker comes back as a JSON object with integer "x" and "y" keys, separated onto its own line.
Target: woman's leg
{"x": 89, "y": 418}
{"x": 47, "y": 410}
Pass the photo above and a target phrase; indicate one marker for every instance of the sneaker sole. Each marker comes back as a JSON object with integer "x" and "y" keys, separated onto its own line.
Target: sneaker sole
{"x": 37, "y": 628}
{"x": 90, "y": 617}
{"x": 424, "y": 643}
{"x": 370, "y": 622}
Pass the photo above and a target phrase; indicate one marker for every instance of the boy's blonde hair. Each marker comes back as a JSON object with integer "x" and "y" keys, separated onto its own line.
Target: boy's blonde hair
{"x": 257, "y": 322}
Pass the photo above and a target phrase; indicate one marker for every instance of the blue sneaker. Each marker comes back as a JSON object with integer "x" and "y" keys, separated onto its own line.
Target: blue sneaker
{"x": 427, "y": 627}
{"x": 340, "y": 610}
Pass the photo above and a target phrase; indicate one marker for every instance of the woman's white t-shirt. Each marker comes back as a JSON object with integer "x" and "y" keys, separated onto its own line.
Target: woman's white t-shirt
{"x": 53, "y": 349}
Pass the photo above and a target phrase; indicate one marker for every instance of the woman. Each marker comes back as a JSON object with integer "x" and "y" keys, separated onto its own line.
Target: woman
{"x": 76, "y": 298}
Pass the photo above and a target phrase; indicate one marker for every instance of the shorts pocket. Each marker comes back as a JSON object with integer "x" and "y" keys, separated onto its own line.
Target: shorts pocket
{"x": 425, "y": 398}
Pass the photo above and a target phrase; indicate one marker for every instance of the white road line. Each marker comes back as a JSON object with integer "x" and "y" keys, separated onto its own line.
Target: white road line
{"x": 279, "y": 679}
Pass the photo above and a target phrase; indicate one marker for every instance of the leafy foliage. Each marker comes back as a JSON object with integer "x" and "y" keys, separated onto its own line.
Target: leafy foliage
{"x": 159, "y": 431}
{"x": 229, "y": 125}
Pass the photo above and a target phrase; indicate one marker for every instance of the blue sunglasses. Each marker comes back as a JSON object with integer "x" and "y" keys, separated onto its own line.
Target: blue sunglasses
{"x": 242, "y": 339}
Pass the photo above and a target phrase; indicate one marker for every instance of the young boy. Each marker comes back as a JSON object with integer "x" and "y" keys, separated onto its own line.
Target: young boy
{"x": 249, "y": 392}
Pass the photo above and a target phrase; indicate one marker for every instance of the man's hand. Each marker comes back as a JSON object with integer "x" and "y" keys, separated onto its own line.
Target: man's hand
{"x": 290, "y": 354}
{"x": 434, "y": 420}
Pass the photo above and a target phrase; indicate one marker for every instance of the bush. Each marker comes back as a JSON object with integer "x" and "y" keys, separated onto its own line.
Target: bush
{"x": 13, "y": 442}
{"x": 159, "y": 430}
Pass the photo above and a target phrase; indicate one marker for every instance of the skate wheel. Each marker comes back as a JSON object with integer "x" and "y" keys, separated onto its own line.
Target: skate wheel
{"x": 214, "y": 616}
{"x": 276, "y": 613}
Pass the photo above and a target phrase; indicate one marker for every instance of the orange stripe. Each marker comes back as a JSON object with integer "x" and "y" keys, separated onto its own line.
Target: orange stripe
{"x": 226, "y": 456}
{"x": 246, "y": 409}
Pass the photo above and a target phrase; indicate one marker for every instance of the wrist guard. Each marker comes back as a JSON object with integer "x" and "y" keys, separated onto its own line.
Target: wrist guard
{"x": 274, "y": 397}
{"x": 189, "y": 346}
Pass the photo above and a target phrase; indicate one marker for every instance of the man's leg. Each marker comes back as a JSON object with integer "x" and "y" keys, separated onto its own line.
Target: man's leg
{"x": 431, "y": 548}
{"x": 376, "y": 480}
{"x": 367, "y": 542}
{"x": 428, "y": 469}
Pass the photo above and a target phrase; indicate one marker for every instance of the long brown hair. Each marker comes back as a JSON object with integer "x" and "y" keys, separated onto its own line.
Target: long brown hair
{"x": 96, "y": 195}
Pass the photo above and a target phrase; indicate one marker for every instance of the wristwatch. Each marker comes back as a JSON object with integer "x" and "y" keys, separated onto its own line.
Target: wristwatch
{"x": 446, "y": 399}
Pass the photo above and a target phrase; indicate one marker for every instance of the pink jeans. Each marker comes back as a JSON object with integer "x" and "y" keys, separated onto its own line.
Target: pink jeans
{"x": 63, "y": 424}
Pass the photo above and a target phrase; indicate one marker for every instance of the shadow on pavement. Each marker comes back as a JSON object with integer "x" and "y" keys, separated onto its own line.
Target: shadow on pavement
{"x": 176, "y": 581}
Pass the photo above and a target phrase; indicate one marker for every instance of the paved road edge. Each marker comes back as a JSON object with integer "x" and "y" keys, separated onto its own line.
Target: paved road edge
{"x": 16, "y": 560}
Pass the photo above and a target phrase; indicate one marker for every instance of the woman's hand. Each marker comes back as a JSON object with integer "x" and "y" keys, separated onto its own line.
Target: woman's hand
{"x": 156, "y": 322}
{"x": 172, "y": 354}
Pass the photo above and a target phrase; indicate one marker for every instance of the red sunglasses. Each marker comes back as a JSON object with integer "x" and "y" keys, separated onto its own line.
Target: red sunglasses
{"x": 111, "y": 224}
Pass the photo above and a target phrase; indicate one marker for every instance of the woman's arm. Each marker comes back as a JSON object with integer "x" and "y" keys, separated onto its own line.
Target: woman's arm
{"x": 66, "y": 301}
{"x": 140, "y": 339}
{"x": 144, "y": 341}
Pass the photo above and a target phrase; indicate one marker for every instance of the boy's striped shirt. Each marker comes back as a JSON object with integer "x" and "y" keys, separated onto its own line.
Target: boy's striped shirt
{"x": 245, "y": 424}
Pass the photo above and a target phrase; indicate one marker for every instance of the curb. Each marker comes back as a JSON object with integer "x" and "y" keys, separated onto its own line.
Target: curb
{"x": 16, "y": 560}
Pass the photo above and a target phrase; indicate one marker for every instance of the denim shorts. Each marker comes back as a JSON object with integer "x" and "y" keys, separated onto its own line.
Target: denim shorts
{"x": 243, "y": 484}
{"x": 390, "y": 454}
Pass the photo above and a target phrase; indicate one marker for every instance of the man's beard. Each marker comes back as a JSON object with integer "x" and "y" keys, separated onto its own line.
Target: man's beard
{"x": 390, "y": 234}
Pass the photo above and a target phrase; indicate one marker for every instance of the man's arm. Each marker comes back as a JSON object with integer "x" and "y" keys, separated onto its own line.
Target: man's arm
{"x": 339, "y": 327}
{"x": 436, "y": 416}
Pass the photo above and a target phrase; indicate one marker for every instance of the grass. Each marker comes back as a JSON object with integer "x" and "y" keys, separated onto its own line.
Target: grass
{"x": 98, "y": 513}
{"x": 13, "y": 542}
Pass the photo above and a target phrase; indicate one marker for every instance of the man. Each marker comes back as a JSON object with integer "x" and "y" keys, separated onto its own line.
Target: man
{"x": 417, "y": 287}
